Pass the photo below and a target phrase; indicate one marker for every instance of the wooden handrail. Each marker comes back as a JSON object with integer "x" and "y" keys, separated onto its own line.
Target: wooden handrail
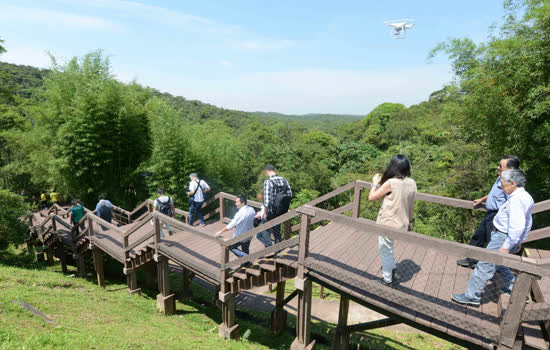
{"x": 535, "y": 235}
{"x": 541, "y": 206}
{"x": 62, "y": 222}
{"x": 233, "y": 198}
{"x": 452, "y": 202}
{"x": 46, "y": 219}
{"x": 119, "y": 209}
{"x": 448, "y": 247}
{"x": 332, "y": 194}
{"x": 140, "y": 241}
{"x": 182, "y": 226}
{"x": 137, "y": 225}
{"x": 271, "y": 223}
{"x": 105, "y": 223}
{"x": 261, "y": 253}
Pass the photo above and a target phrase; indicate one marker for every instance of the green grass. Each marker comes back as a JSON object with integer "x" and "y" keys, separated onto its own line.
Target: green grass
{"x": 316, "y": 292}
{"x": 86, "y": 316}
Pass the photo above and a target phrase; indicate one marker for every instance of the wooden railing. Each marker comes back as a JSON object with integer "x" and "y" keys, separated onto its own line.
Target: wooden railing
{"x": 527, "y": 271}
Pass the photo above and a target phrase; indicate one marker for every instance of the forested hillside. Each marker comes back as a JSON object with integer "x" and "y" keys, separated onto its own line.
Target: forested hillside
{"x": 76, "y": 128}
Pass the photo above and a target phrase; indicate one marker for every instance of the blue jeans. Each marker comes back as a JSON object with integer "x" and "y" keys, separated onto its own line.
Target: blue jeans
{"x": 245, "y": 248}
{"x": 196, "y": 207}
{"x": 264, "y": 237}
{"x": 484, "y": 271}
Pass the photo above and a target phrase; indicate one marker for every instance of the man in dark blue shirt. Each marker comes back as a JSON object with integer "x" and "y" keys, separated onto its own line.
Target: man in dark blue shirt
{"x": 493, "y": 201}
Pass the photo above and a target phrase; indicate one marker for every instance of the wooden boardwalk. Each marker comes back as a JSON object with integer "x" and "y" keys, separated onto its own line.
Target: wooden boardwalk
{"x": 341, "y": 254}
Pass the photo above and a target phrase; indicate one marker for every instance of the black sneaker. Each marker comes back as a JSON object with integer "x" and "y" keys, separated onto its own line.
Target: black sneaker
{"x": 383, "y": 282}
{"x": 395, "y": 276}
{"x": 469, "y": 263}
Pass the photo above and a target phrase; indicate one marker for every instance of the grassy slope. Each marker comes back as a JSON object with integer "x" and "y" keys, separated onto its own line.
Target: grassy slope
{"x": 87, "y": 316}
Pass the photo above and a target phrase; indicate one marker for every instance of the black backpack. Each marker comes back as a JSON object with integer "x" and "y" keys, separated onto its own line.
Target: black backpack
{"x": 165, "y": 207}
{"x": 281, "y": 202}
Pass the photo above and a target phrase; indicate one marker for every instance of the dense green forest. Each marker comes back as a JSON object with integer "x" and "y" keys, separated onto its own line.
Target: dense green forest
{"x": 75, "y": 128}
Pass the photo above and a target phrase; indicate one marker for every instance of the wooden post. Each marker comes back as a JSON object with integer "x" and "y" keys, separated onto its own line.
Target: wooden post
{"x": 304, "y": 286}
{"x": 512, "y": 317}
{"x": 131, "y": 281}
{"x": 157, "y": 235}
{"x": 303, "y": 319}
{"x": 150, "y": 275}
{"x": 80, "y": 265}
{"x": 62, "y": 257}
{"x": 166, "y": 302}
{"x": 49, "y": 255}
{"x": 186, "y": 283}
{"x": 356, "y": 201}
{"x": 222, "y": 208}
{"x": 340, "y": 341}
{"x": 97, "y": 256}
{"x": 279, "y": 315}
{"x": 288, "y": 228}
{"x": 228, "y": 329}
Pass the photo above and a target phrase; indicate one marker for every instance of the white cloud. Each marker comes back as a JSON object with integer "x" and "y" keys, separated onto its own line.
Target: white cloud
{"x": 224, "y": 32}
{"x": 225, "y": 63}
{"x": 29, "y": 56}
{"x": 56, "y": 18}
{"x": 318, "y": 90}
{"x": 160, "y": 15}
{"x": 264, "y": 44}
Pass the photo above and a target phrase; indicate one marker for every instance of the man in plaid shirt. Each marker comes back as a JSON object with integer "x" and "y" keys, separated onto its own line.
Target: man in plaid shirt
{"x": 272, "y": 186}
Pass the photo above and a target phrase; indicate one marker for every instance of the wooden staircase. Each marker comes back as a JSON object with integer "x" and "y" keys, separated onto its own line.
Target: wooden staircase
{"x": 259, "y": 274}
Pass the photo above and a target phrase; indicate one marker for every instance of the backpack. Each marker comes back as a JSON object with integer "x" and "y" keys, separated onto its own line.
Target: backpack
{"x": 192, "y": 198}
{"x": 105, "y": 213}
{"x": 165, "y": 207}
{"x": 281, "y": 202}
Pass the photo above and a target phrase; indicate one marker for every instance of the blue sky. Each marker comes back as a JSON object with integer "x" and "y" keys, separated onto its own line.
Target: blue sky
{"x": 281, "y": 56}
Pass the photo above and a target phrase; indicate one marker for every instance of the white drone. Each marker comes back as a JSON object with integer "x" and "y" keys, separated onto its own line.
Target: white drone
{"x": 399, "y": 27}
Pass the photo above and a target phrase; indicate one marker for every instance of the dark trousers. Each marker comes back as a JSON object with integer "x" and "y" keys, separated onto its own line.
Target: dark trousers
{"x": 482, "y": 236}
{"x": 244, "y": 249}
{"x": 196, "y": 208}
{"x": 76, "y": 229}
{"x": 275, "y": 230}
{"x": 43, "y": 205}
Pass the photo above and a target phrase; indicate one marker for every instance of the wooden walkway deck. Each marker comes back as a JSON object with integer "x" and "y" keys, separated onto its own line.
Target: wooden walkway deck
{"x": 341, "y": 254}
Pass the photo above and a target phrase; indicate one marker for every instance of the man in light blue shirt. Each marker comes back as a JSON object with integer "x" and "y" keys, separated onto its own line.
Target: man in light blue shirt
{"x": 102, "y": 202}
{"x": 512, "y": 225}
{"x": 493, "y": 201}
{"x": 243, "y": 222}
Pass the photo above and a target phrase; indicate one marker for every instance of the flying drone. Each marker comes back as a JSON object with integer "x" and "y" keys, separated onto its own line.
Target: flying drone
{"x": 399, "y": 27}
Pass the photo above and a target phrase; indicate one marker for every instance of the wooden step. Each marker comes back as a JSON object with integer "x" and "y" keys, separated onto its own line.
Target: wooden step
{"x": 268, "y": 266}
{"x": 254, "y": 270}
{"x": 240, "y": 275}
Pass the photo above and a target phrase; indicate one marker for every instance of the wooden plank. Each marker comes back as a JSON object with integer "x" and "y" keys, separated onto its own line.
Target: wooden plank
{"x": 541, "y": 206}
{"x": 428, "y": 281}
{"x": 533, "y": 337}
{"x": 535, "y": 235}
{"x": 512, "y": 316}
{"x": 400, "y": 298}
{"x": 436, "y": 243}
